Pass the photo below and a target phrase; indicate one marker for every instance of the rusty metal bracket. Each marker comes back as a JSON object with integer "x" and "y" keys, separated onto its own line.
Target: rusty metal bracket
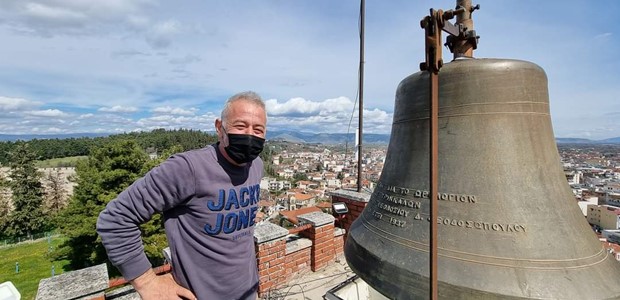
{"x": 460, "y": 38}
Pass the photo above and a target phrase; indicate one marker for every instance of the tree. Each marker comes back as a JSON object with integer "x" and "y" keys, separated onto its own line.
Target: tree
{"x": 100, "y": 178}
{"x": 5, "y": 205}
{"x": 27, "y": 216}
{"x": 153, "y": 234}
{"x": 299, "y": 176}
{"x": 56, "y": 194}
{"x": 108, "y": 171}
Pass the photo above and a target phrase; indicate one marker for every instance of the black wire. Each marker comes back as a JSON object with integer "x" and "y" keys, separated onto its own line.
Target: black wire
{"x": 357, "y": 93}
{"x": 302, "y": 290}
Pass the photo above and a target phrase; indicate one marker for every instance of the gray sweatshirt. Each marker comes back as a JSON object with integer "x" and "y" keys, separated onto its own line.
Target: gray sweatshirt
{"x": 208, "y": 206}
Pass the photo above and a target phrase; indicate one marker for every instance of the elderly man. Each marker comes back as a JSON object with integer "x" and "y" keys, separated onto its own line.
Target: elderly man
{"x": 209, "y": 201}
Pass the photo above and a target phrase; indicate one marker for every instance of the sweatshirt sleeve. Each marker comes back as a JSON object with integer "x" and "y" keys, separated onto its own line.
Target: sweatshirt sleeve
{"x": 162, "y": 188}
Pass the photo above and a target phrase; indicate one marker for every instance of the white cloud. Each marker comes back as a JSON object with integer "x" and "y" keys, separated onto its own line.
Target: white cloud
{"x": 54, "y": 17}
{"x": 53, "y": 130}
{"x": 119, "y": 109}
{"x": 603, "y": 35}
{"x": 16, "y": 104}
{"x": 174, "y": 111}
{"x": 46, "y": 113}
{"x": 188, "y": 59}
{"x": 302, "y": 107}
{"x": 50, "y": 18}
{"x": 43, "y": 14}
{"x": 85, "y": 116}
{"x": 330, "y": 115}
{"x": 161, "y": 34}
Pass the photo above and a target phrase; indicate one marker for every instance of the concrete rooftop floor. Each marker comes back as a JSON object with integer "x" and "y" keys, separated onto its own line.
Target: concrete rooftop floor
{"x": 313, "y": 285}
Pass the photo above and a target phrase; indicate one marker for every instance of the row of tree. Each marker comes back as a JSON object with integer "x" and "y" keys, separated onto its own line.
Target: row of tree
{"x": 156, "y": 139}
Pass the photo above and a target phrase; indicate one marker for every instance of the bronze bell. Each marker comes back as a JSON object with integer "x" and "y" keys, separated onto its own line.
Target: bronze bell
{"x": 508, "y": 224}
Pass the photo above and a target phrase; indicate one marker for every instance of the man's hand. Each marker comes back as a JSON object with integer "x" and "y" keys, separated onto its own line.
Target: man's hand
{"x": 150, "y": 286}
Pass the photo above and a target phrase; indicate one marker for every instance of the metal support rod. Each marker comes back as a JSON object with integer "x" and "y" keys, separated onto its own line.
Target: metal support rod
{"x": 361, "y": 95}
{"x": 434, "y": 153}
{"x": 461, "y": 40}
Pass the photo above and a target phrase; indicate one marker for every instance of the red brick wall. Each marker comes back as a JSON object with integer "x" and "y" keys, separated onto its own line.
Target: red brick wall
{"x": 297, "y": 261}
{"x": 275, "y": 267}
{"x": 355, "y": 209}
{"x": 270, "y": 258}
{"x": 339, "y": 244}
{"x": 322, "y": 250}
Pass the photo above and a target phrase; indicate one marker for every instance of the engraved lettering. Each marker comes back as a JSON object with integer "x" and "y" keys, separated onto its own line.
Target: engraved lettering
{"x": 499, "y": 227}
{"x": 424, "y": 194}
{"x": 393, "y": 209}
{"x": 417, "y": 217}
{"x": 397, "y": 222}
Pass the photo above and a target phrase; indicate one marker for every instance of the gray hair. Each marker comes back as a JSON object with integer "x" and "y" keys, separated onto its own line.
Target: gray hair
{"x": 249, "y": 96}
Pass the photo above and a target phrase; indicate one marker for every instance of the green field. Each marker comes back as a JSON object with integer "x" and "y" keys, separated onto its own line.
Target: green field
{"x": 60, "y": 162}
{"x": 34, "y": 265}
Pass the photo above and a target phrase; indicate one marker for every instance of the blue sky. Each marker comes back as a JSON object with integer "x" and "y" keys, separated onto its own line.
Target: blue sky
{"x": 69, "y": 66}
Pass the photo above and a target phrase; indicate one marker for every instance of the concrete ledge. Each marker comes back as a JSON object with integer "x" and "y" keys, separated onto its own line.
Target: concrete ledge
{"x": 339, "y": 231}
{"x": 351, "y": 195}
{"x": 267, "y": 232}
{"x": 124, "y": 293}
{"x": 316, "y": 218}
{"x": 85, "y": 283}
{"x": 297, "y": 244}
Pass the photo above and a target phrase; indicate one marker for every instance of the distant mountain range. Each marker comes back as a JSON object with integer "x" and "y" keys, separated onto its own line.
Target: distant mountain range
{"x": 615, "y": 140}
{"x": 27, "y": 137}
{"x": 325, "y": 138}
{"x": 296, "y": 137}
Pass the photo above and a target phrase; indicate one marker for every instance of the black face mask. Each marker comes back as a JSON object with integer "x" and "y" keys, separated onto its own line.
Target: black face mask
{"x": 243, "y": 148}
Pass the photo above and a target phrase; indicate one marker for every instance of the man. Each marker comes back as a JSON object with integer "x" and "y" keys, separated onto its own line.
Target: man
{"x": 209, "y": 201}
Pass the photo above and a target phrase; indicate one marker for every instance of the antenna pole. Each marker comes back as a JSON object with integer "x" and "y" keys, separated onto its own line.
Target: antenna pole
{"x": 361, "y": 95}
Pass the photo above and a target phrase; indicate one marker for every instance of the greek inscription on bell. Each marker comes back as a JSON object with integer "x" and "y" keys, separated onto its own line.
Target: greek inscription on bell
{"x": 463, "y": 198}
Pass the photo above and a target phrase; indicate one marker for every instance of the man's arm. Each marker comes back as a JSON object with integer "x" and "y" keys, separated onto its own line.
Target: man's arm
{"x": 160, "y": 189}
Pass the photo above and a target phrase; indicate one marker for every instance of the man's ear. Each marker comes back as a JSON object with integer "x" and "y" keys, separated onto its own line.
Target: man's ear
{"x": 218, "y": 126}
